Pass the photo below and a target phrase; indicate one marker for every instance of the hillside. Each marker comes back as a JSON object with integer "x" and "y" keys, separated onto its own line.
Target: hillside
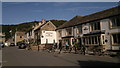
{"x": 25, "y": 27}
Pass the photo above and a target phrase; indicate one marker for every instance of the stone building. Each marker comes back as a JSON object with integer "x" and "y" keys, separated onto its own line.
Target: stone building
{"x": 2, "y": 37}
{"x": 19, "y": 36}
{"x": 29, "y": 36}
{"x": 45, "y": 33}
{"x": 41, "y": 33}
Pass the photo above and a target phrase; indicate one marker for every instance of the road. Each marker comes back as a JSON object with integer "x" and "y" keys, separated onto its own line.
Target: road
{"x": 12, "y": 56}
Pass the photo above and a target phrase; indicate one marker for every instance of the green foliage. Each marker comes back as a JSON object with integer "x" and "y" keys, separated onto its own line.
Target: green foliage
{"x": 26, "y": 26}
{"x": 6, "y": 29}
{"x": 20, "y": 27}
{"x": 57, "y": 23}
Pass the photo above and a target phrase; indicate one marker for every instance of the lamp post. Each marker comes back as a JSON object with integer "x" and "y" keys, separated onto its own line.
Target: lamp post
{"x": 15, "y": 38}
{"x": 10, "y": 34}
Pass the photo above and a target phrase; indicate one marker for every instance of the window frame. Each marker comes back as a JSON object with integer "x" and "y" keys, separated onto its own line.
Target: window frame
{"x": 113, "y": 39}
{"x": 68, "y": 31}
{"x": 93, "y": 24}
{"x": 90, "y": 41}
{"x": 79, "y": 28}
{"x": 103, "y": 39}
{"x": 111, "y": 20}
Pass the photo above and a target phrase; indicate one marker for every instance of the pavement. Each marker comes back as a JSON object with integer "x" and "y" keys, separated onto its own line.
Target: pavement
{"x": 0, "y": 57}
{"x": 12, "y": 56}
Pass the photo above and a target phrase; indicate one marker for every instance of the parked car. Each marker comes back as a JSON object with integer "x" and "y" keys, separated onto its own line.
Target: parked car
{"x": 12, "y": 44}
{"x": 22, "y": 45}
{"x": 1, "y": 45}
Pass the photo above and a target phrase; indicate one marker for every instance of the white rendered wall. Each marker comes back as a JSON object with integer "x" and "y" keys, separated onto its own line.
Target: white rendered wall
{"x": 50, "y": 36}
{"x": 105, "y": 25}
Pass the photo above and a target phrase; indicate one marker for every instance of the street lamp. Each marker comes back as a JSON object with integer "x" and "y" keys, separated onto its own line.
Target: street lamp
{"x": 10, "y": 32}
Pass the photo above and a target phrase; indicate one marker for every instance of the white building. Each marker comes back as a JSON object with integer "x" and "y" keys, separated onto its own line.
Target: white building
{"x": 98, "y": 31}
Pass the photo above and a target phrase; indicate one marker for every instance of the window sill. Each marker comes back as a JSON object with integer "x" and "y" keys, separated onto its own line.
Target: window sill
{"x": 115, "y": 44}
{"x": 79, "y": 33}
{"x": 92, "y": 44}
{"x": 95, "y": 30}
{"x": 115, "y": 27}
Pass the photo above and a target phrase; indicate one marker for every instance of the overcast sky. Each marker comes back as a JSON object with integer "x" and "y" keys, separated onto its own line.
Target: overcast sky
{"x": 20, "y": 12}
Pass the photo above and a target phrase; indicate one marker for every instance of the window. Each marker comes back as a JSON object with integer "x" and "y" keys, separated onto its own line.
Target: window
{"x": 95, "y": 26}
{"x": 29, "y": 33}
{"x": 46, "y": 41}
{"x": 2, "y": 36}
{"x": 96, "y": 40}
{"x": 91, "y": 40}
{"x": 116, "y": 38}
{"x": 83, "y": 40}
{"x": 115, "y": 22}
{"x": 79, "y": 28}
{"x": 87, "y": 40}
{"x": 60, "y": 33}
{"x": 103, "y": 39}
{"x": 69, "y": 31}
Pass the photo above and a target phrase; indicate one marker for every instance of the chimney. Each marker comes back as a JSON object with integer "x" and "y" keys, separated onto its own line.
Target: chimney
{"x": 43, "y": 21}
{"x": 39, "y": 23}
{"x": 35, "y": 24}
{"x": 49, "y": 21}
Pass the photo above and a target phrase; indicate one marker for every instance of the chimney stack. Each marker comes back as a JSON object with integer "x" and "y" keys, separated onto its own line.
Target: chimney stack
{"x": 33, "y": 26}
{"x": 36, "y": 24}
{"x": 43, "y": 21}
{"x": 39, "y": 23}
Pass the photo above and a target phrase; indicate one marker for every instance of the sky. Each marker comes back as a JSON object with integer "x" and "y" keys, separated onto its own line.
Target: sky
{"x": 20, "y": 12}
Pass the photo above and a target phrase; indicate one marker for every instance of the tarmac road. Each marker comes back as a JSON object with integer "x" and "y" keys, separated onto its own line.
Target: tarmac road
{"x": 12, "y": 56}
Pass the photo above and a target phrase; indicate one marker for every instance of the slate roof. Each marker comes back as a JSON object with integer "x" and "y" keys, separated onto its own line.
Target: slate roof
{"x": 92, "y": 17}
